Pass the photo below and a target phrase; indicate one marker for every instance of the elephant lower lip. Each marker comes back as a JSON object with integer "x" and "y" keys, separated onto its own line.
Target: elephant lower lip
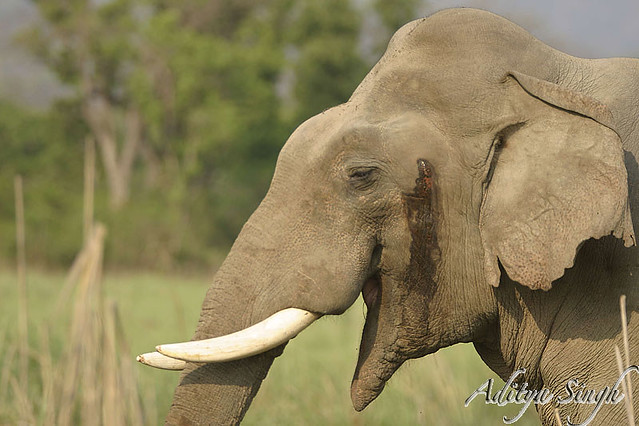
{"x": 370, "y": 291}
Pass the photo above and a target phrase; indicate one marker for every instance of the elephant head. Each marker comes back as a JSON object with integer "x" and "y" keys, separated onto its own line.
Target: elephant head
{"x": 461, "y": 150}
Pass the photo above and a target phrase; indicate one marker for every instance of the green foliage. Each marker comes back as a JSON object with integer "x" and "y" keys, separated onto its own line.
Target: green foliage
{"x": 46, "y": 150}
{"x": 329, "y": 67}
{"x": 219, "y": 85}
{"x": 219, "y": 124}
{"x": 85, "y": 37}
{"x": 395, "y": 13}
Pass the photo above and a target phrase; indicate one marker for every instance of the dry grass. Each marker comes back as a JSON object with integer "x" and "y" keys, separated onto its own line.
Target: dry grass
{"x": 93, "y": 380}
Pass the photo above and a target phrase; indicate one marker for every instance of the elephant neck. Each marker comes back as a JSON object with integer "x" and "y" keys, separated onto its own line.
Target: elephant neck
{"x": 570, "y": 331}
{"x": 581, "y": 309}
{"x": 522, "y": 330}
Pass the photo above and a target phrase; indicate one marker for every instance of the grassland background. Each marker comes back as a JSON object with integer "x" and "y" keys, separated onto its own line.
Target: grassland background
{"x": 308, "y": 384}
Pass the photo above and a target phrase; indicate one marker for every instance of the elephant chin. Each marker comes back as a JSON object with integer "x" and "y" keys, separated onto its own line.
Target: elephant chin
{"x": 378, "y": 354}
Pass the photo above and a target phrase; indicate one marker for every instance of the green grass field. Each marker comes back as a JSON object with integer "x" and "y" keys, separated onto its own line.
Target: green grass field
{"x": 308, "y": 384}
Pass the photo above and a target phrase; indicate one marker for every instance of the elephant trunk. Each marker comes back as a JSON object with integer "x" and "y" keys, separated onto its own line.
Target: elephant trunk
{"x": 218, "y": 393}
{"x": 241, "y": 295}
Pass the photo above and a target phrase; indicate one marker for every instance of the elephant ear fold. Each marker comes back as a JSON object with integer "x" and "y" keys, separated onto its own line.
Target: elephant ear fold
{"x": 556, "y": 180}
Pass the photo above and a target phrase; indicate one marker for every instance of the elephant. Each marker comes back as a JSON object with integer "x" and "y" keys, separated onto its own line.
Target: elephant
{"x": 478, "y": 186}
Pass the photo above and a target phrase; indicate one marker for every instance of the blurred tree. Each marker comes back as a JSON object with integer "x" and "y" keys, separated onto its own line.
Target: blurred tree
{"x": 92, "y": 47}
{"x": 395, "y": 13}
{"x": 190, "y": 102}
{"x": 208, "y": 97}
{"x": 42, "y": 147}
{"x": 327, "y": 64}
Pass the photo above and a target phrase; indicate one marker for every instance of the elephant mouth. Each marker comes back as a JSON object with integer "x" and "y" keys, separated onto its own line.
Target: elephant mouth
{"x": 379, "y": 355}
{"x": 371, "y": 291}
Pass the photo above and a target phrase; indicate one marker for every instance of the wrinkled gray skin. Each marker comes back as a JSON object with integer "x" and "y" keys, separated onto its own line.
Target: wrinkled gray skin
{"x": 524, "y": 145}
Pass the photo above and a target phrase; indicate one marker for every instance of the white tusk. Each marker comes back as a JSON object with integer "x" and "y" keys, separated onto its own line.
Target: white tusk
{"x": 273, "y": 331}
{"x": 157, "y": 360}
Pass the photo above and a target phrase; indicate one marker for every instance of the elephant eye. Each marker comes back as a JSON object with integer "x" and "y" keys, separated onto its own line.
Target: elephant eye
{"x": 362, "y": 177}
{"x": 360, "y": 174}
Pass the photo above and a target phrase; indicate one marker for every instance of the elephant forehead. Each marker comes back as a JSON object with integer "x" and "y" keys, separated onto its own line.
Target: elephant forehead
{"x": 452, "y": 63}
{"x": 327, "y": 137}
{"x": 463, "y": 31}
{"x": 454, "y": 99}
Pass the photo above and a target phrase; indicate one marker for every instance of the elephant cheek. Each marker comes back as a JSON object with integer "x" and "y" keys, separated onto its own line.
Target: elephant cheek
{"x": 397, "y": 323}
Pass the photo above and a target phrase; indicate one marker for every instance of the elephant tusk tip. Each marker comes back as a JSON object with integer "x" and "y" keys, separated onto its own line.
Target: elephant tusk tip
{"x": 161, "y": 349}
{"x": 157, "y": 360}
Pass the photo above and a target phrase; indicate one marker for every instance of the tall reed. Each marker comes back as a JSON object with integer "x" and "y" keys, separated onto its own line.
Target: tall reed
{"x": 93, "y": 380}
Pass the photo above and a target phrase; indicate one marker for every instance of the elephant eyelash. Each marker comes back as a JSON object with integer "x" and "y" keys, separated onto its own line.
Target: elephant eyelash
{"x": 362, "y": 178}
{"x": 360, "y": 174}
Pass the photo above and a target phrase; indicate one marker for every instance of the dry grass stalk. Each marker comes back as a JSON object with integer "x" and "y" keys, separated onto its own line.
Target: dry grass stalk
{"x": 111, "y": 408}
{"x": 557, "y": 417}
{"x": 7, "y": 367}
{"x": 94, "y": 382}
{"x": 624, "y": 386}
{"x": 89, "y": 186}
{"x": 21, "y": 399}
{"x": 83, "y": 343}
{"x": 626, "y": 382}
{"x": 128, "y": 373}
{"x": 23, "y": 315}
{"x": 48, "y": 377}
{"x": 89, "y": 336}
{"x": 626, "y": 342}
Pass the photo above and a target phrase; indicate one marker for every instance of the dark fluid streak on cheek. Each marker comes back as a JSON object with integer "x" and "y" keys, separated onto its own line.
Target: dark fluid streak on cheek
{"x": 424, "y": 183}
{"x": 421, "y": 217}
{"x": 419, "y": 284}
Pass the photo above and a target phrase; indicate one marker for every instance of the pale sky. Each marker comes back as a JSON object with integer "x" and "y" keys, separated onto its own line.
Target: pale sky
{"x": 587, "y": 28}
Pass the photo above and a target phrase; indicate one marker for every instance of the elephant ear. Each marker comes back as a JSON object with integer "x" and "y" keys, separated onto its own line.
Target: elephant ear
{"x": 555, "y": 181}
